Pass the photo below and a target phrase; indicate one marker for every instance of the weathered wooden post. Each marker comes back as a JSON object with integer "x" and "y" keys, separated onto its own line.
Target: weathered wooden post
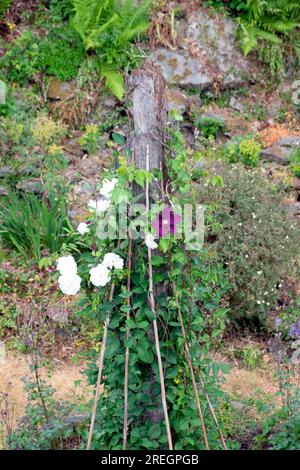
{"x": 148, "y": 94}
{"x": 147, "y": 89}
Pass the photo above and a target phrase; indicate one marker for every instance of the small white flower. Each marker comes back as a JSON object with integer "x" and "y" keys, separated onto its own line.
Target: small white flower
{"x": 100, "y": 275}
{"x": 150, "y": 241}
{"x": 253, "y": 215}
{"x": 259, "y": 273}
{"x": 107, "y": 187}
{"x": 83, "y": 228}
{"x": 100, "y": 205}
{"x": 66, "y": 265}
{"x": 69, "y": 284}
{"x": 258, "y": 302}
{"x": 111, "y": 260}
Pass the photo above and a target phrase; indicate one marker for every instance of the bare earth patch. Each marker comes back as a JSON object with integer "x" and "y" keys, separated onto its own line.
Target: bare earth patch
{"x": 61, "y": 377}
{"x": 244, "y": 383}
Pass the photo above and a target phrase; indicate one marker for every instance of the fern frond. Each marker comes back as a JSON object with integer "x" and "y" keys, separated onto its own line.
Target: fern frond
{"x": 114, "y": 81}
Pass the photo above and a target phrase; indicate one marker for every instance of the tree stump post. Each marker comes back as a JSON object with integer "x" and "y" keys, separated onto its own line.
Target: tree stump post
{"x": 147, "y": 89}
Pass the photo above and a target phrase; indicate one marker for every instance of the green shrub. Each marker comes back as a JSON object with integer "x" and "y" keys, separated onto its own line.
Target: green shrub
{"x": 59, "y": 54}
{"x": 210, "y": 126}
{"x": 244, "y": 150}
{"x": 30, "y": 225}
{"x": 4, "y": 6}
{"x": 254, "y": 237}
{"x": 294, "y": 163}
{"x": 107, "y": 27}
{"x": 61, "y": 9}
{"x": 89, "y": 141}
{"x": 47, "y": 423}
{"x": 252, "y": 357}
{"x": 281, "y": 427}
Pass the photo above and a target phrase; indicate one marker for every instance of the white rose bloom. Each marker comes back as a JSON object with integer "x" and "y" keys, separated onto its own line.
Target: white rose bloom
{"x": 150, "y": 241}
{"x": 111, "y": 260}
{"x": 83, "y": 228}
{"x": 66, "y": 265}
{"x": 100, "y": 275}
{"x": 100, "y": 205}
{"x": 69, "y": 284}
{"x": 107, "y": 187}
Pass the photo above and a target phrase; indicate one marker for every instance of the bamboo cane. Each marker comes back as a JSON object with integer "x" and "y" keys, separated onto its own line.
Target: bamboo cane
{"x": 155, "y": 328}
{"x": 125, "y": 428}
{"x": 188, "y": 356}
{"x": 100, "y": 370}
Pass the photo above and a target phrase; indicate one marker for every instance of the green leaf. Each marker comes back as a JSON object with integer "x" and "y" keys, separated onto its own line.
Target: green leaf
{"x": 125, "y": 294}
{"x": 172, "y": 357}
{"x": 118, "y": 138}
{"x": 145, "y": 356}
{"x": 114, "y": 323}
{"x": 158, "y": 260}
{"x": 125, "y": 308}
{"x": 140, "y": 177}
{"x": 135, "y": 435}
{"x": 164, "y": 244}
{"x": 115, "y": 83}
{"x": 155, "y": 431}
{"x": 113, "y": 345}
{"x": 143, "y": 324}
{"x": 130, "y": 323}
{"x": 172, "y": 372}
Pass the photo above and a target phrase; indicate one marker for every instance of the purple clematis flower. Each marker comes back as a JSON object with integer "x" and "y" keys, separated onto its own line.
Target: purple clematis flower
{"x": 165, "y": 223}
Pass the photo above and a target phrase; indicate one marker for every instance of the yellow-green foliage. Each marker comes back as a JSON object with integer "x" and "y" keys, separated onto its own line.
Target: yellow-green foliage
{"x": 14, "y": 130}
{"x": 45, "y": 130}
{"x": 89, "y": 140}
{"x": 249, "y": 151}
{"x": 245, "y": 150}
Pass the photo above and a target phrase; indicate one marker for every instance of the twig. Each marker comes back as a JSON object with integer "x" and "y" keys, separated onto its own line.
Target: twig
{"x": 100, "y": 370}
{"x": 127, "y": 349}
{"x": 213, "y": 413}
{"x": 152, "y": 305}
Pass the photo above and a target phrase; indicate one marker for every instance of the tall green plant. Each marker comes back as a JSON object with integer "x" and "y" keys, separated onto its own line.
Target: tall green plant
{"x": 30, "y": 224}
{"x": 273, "y": 21}
{"x": 107, "y": 27}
